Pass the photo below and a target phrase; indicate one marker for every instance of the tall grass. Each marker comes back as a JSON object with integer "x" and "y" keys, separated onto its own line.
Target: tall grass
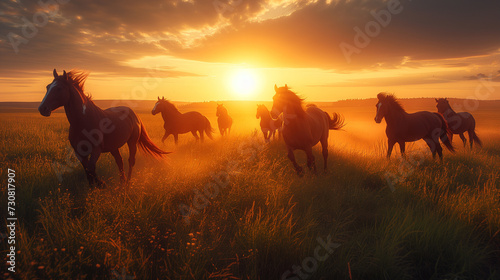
{"x": 440, "y": 222}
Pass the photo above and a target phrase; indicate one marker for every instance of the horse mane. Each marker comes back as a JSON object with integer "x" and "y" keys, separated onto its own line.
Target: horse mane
{"x": 171, "y": 105}
{"x": 295, "y": 101}
{"x": 77, "y": 78}
{"x": 391, "y": 100}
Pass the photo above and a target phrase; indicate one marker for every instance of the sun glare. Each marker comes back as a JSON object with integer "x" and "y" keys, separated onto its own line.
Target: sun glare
{"x": 244, "y": 83}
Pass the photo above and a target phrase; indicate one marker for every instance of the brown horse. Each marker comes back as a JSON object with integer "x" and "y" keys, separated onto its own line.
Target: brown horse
{"x": 177, "y": 123}
{"x": 459, "y": 122}
{"x": 403, "y": 127}
{"x": 93, "y": 131}
{"x": 223, "y": 120}
{"x": 268, "y": 125}
{"x": 303, "y": 129}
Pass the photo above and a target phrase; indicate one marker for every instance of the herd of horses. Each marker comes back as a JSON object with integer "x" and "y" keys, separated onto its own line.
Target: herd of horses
{"x": 94, "y": 131}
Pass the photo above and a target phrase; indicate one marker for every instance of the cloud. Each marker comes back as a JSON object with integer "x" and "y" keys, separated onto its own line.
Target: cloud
{"x": 101, "y": 35}
{"x": 494, "y": 77}
{"x": 310, "y": 37}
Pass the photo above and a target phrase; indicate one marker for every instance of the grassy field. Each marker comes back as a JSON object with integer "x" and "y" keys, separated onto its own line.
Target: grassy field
{"x": 232, "y": 208}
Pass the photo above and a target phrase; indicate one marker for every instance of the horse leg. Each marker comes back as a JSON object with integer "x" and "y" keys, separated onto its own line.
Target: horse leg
{"x": 221, "y": 130}
{"x": 311, "y": 164}
{"x": 165, "y": 137}
{"x": 402, "y": 147}
{"x": 176, "y": 139}
{"x": 471, "y": 137}
{"x": 390, "y": 145}
{"x": 324, "y": 150}
{"x": 465, "y": 140}
{"x": 195, "y": 135}
{"x": 266, "y": 137}
{"x": 202, "y": 137}
{"x": 132, "y": 149}
{"x": 94, "y": 156}
{"x": 119, "y": 162}
{"x": 84, "y": 160}
{"x": 291, "y": 156}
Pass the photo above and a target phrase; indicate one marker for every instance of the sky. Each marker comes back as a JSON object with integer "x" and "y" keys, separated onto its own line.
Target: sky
{"x": 213, "y": 50}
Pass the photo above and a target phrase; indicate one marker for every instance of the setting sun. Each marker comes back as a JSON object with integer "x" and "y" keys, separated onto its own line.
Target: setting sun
{"x": 243, "y": 82}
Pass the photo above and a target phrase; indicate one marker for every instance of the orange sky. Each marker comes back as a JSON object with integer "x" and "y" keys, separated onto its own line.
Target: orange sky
{"x": 237, "y": 50}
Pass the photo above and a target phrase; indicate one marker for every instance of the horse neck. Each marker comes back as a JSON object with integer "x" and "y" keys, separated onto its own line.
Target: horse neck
{"x": 265, "y": 116}
{"x": 449, "y": 112}
{"x": 394, "y": 116}
{"x": 75, "y": 112}
{"x": 294, "y": 110}
{"x": 223, "y": 114}
{"x": 169, "y": 114}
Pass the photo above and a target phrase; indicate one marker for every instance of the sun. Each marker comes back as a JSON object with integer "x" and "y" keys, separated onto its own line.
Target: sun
{"x": 243, "y": 82}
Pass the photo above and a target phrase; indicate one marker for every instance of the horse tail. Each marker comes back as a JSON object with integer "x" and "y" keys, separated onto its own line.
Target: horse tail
{"x": 148, "y": 146}
{"x": 445, "y": 133}
{"x": 476, "y": 139}
{"x": 335, "y": 123}
{"x": 208, "y": 128}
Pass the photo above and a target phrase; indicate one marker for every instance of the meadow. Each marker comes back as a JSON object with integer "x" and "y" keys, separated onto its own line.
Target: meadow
{"x": 233, "y": 208}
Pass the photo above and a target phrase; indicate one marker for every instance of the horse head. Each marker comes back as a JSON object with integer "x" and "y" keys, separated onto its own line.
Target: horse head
{"x": 279, "y": 100}
{"x": 158, "y": 106}
{"x": 381, "y": 107}
{"x": 57, "y": 95}
{"x": 442, "y": 105}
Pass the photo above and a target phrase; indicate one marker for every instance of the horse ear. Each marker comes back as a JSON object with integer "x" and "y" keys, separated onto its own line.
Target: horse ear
{"x": 286, "y": 86}
{"x": 65, "y": 76}
{"x": 158, "y": 98}
{"x": 55, "y": 73}
{"x": 436, "y": 99}
{"x": 163, "y": 98}
{"x": 275, "y": 88}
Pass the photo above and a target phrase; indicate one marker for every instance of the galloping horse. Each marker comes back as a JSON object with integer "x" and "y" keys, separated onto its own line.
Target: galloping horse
{"x": 459, "y": 123}
{"x": 302, "y": 129}
{"x": 177, "y": 123}
{"x": 403, "y": 127}
{"x": 268, "y": 125}
{"x": 93, "y": 131}
{"x": 223, "y": 120}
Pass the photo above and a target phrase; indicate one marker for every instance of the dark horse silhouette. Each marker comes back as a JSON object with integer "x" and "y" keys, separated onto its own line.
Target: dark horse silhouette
{"x": 177, "y": 123}
{"x": 223, "y": 120}
{"x": 302, "y": 129}
{"x": 403, "y": 127}
{"x": 93, "y": 131}
{"x": 268, "y": 125}
{"x": 459, "y": 123}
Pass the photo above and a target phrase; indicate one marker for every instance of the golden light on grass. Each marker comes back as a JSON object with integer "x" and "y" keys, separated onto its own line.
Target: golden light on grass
{"x": 244, "y": 83}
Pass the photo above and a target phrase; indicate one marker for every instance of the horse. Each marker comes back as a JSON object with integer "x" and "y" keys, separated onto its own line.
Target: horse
{"x": 303, "y": 129}
{"x": 223, "y": 120}
{"x": 268, "y": 125}
{"x": 459, "y": 123}
{"x": 177, "y": 123}
{"x": 403, "y": 127}
{"x": 94, "y": 131}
